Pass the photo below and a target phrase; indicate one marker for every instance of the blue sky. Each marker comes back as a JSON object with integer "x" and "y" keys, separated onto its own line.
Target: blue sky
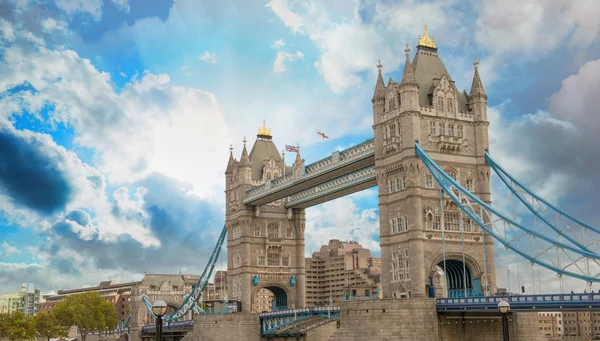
{"x": 116, "y": 115}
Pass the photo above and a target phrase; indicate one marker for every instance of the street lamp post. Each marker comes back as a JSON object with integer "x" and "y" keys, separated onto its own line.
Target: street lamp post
{"x": 504, "y": 308}
{"x": 159, "y": 308}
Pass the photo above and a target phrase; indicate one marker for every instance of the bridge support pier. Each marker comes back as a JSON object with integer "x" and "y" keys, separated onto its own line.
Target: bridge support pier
{"x": 416, "y": 319}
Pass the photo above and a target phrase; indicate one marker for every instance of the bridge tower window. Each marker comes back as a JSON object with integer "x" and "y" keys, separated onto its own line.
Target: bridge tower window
{"x": 432, "y": 128}
{"x": 440, "y": 104}
{"x": 450, "y": 104}
{"x": 459, "y": 131}
{"x": 261, "y": 260}
{"x": 288, "y": 233}
{"x": 428, "y": 181}
{"x": 257, "y": 231}
{"x": 273, "y": 230}
{"x": 442, "y": 127}
{"x": 450, "y": 129}
{"x": 274, "y": 258}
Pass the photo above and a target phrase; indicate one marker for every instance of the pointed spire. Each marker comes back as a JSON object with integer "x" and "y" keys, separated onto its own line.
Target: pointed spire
{"x": 245, "y": 159}
{"x": 298, "y": 161}
{"x": 231, "y": 161}
{"x": 477, "y": 85}
{"x": 380, "y": 85}
{"x": 408, "y": 76}
{"x": 283, "y": 161}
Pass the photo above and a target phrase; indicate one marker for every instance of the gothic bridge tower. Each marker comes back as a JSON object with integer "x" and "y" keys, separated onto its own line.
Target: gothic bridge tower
{"x": 265, "y": 244}
{"x": 452, "y": 127}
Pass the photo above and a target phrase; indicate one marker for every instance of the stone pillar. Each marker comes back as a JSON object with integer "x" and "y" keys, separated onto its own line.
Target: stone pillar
{"x": 299, "y": 221}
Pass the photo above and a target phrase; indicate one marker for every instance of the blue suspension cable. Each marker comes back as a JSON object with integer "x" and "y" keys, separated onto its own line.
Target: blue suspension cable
{"x": 433, "y": 168}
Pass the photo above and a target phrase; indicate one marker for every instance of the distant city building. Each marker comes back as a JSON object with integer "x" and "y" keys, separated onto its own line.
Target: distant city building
{"x": 340, "y": 270}
{"x": 26, "y": 300}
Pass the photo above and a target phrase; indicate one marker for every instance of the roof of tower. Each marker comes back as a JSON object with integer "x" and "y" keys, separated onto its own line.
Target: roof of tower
{"x": 263, "y": 150}
{"x": 477, "y": 85}
{"x": 427, "y": 66}
{"x": 245, "y": 160}
{"x": 408, "y": 75}
{"x": 379, "y": 85}
{"x": 231, "y": 161}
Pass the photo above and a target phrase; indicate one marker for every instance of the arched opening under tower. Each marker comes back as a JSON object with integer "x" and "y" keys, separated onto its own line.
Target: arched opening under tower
{"x": 458, "y": 279}
{"x": 280, "y": 299}
{"x": 270, "y": 298}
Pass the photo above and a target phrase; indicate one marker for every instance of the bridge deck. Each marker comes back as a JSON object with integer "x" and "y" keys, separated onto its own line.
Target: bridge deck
{"x": 547, "y": 302}
{"x": 338, "y": 165}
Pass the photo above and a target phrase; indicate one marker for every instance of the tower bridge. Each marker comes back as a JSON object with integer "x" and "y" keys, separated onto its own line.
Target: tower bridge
{"x": 438, "y": 229}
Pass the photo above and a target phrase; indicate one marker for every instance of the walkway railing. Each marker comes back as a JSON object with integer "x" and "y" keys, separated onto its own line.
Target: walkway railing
{"x": 179, "y": 325}
{"x": 338, "y": 159}
{"x": 522, "y": 302}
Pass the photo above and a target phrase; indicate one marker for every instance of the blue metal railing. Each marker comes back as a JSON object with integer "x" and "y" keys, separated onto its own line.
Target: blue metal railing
{"x": 589, "y": 301}
{"x": 302, "y": 311}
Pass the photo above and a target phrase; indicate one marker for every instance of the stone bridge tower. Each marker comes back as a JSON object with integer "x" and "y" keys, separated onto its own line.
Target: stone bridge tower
{"x": 452, "y": 127}
{"x": 265, "y": 244}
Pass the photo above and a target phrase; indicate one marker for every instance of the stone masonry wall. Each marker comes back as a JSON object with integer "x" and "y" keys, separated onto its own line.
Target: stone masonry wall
{"x": 389, "y": 319}
{"x": 228, "y": 327}
{"x": 470, "y": 327}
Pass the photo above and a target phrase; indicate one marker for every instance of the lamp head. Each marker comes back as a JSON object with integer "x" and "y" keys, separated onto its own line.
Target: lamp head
{"x": 159, "y": 308}
{"x": 503, "y": 307}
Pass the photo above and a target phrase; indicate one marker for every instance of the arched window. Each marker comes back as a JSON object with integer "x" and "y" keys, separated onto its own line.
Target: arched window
{"x": 257, "y": 231}
{"x": 288, "y": 233}
{"x": 268, "y": 176}
{"x": 452, "y": 174}
{"x": 450, "y": 104}
{"x": 273, "y": 258}
{"x": 273, "y": 231}
{"x": 440, "y": 104}
{"x": 429, "y": 221}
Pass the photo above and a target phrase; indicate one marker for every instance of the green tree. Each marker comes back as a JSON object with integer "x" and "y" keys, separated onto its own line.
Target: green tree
{"x": 88, "y": 312}
{"x": 19, "y": 327}
{"x": 48, "y": 326}
{"x": 3, "y": 324}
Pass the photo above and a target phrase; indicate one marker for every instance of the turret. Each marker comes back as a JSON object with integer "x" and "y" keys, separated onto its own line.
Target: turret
{"x": 378, "y": 99}
{"x": 478, "y": 97}
{"x": 245, "y": 167}
{"x": 409, "y": 87}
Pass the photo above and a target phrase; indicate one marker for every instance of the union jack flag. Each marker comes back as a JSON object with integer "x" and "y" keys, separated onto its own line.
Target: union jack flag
{"x": 291, "y": 149}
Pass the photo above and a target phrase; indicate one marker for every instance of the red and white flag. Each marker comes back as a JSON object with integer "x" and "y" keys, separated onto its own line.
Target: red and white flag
{"x": 291, "y": 149}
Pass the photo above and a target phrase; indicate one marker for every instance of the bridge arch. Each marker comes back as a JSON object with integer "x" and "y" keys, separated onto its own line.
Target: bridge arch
{"x": 283, "y": 298}
{"x": 454, "y": 276}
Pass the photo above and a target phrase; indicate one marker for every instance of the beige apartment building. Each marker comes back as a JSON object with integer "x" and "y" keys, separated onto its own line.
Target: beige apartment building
{"x": 569, "y": 323}
{"x": 339, "y": 270}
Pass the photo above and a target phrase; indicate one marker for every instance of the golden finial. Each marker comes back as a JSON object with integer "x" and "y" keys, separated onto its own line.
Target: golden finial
{"x": 426, "y": 40}
{"x": 264, "y": 130}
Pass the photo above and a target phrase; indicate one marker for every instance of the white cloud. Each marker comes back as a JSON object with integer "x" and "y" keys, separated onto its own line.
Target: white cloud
{"x": 123, "y": 5}
{"x": 9, "y": 250}
{"x": 278, "y": 43}
{"x": 7, "y": 30}
{"x": 342, "y": 219}
{"x": 208, "y": 57}
{"x": 540, "y": 25}
{"x": 157, "y": 126}
{"x": 578, "y": 98}
{"x": 71, "y": 7}
{"x": 50, "y": 25}
{"x": 289, "y": 18}
{"x": 12, "y": 267}
{"x": 282, "y": 58}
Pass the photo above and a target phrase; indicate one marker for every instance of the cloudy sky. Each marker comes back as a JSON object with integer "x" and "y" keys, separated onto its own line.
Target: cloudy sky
{"x": 116, "y": 115}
